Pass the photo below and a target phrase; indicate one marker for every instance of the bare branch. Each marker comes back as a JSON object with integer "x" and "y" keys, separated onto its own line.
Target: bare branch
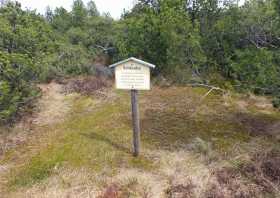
{"x": 207, "y": 86}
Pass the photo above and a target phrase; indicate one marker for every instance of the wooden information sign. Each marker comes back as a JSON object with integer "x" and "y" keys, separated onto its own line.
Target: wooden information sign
{"x": 133, "y": 74}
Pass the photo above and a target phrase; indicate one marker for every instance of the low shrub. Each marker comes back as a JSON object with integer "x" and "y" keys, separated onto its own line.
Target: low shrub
{"x": 276, "y": 102}
{"x": 16, "y": 89}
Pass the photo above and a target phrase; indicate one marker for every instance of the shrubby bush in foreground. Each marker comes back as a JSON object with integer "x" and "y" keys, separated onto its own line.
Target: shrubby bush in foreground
{"x": 16, "y": 89}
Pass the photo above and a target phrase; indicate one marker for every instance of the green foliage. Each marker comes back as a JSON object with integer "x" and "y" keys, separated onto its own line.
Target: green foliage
{"x": 163, "y": 34}
{"x": 61, "y": 20}
{"x": 16, "y": 71}
{"x": 71, "y": 59}
{"x": 92, "y": 9}
{"x": 276, "y": 102}
{"x": 256, "y": 69}
{"x": 141, "y": 38}
{"x": 79, "y": 13}
{"x": 239, "y": 45}
{"x": 76, "y": 35}
{"x": 277, "y": 6}
{"x": 30, "y": 51}
{"x": 68, "y": 60}
{"x": 23, "y": 32}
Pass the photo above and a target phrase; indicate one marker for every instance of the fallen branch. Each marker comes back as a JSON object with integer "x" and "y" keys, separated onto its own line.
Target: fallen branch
{"x": 208, "y": 86}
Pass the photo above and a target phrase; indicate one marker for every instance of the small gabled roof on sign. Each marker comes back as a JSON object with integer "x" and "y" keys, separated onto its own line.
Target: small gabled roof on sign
{"x": 134, "y": 60}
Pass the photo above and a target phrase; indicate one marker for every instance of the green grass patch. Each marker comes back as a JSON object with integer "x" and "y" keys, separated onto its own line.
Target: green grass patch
{"x": 39, "y": 168}
{"x": 97, "y": 140}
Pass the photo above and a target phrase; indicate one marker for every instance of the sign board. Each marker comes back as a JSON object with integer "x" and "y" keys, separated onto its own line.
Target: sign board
{"x": 133, "y": 74}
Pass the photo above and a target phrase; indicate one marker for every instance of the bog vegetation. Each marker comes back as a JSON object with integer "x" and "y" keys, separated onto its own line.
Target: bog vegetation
{"x": 212, "y": 42}
{"x": 208, "y": 126}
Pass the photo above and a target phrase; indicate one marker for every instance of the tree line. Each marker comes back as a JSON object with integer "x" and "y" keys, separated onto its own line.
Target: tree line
{"x": 216, "y": 42}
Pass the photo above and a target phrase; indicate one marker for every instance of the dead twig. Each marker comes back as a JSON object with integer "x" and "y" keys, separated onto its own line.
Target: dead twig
{"x": 208, "y": 86}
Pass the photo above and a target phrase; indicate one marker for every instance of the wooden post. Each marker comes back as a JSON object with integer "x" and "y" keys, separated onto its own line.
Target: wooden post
{"x": 135, "y": 122}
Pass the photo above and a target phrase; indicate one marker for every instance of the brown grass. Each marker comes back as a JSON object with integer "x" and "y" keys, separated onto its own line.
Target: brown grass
{"x": 181, "y": 191}
{"x": 257, "y": 178}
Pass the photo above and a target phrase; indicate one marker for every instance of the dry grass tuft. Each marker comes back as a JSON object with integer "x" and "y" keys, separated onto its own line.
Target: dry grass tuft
{"x": 181, "y": 191}
{"x": 137, "y": 183}
{"x": 258, "y": 178}
{"x": 228, "y": 183}
{"x": 70, "y": 183}
{"x": 264, "y": 170}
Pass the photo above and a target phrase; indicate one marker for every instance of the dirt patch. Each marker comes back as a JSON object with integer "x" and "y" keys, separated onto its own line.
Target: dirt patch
{"x": 52, "y": 106}
{"x": 87, "y": 85}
